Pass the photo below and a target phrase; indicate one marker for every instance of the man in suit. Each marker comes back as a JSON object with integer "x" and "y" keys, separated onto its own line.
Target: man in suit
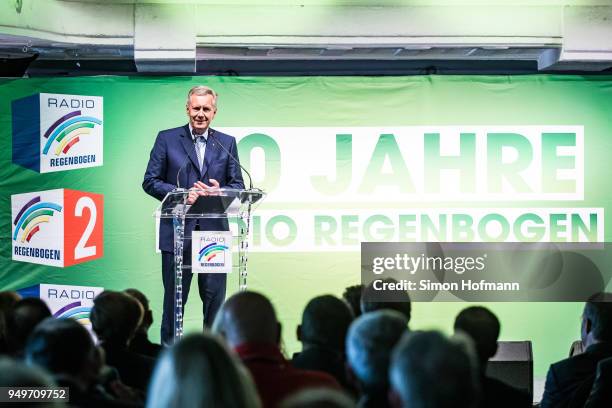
{"x": 483, "y": 327}
{"x": 193, "y": 156}
{"x": 569, "y": 381}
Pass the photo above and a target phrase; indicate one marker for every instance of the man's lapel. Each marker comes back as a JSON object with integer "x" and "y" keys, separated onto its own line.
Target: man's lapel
{"x": 189, "y": 147}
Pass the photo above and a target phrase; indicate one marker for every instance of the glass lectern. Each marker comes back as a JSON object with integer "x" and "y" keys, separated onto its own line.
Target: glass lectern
{"x": 226, "y": 209}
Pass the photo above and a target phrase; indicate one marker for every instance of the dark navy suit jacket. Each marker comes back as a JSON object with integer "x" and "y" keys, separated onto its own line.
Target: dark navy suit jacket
{"x": 174, "y": 150}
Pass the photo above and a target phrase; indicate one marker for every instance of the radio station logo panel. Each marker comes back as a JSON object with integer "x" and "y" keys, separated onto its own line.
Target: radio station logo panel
{"x": 211, "y": 252}
{"x": 57, "y": 227}
{"x": 57, "y": 132}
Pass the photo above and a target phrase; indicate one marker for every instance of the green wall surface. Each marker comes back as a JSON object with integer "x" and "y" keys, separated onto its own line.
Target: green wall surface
{"x": 136, "y": 108}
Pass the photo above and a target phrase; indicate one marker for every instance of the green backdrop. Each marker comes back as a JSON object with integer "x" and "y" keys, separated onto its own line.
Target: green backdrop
{"x": 136, "y": 108}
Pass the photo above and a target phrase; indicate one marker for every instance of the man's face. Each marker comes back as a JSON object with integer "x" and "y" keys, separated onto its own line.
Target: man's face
{"x": 201, "y": 111}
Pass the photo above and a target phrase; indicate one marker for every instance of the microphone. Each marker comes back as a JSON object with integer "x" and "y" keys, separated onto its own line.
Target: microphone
{"x": 211, "y": 133}
{"x": 178, "y": 173}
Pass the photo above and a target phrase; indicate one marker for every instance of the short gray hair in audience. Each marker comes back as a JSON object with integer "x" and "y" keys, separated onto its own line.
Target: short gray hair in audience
{"x": 369, "y": 342}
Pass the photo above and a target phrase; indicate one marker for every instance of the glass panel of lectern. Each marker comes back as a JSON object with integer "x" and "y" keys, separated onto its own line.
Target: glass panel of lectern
{"x": 223, "y": 210}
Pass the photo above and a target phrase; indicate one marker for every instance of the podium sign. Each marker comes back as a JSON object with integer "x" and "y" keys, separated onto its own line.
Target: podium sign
{"x": 211, "y": 252}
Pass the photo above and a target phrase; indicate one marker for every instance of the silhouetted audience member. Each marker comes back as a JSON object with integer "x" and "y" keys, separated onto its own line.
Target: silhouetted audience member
{"x": 200, "y": 372}
{"x": 16, "y": 373}
{"x": 571, "y": 379}
{"x": 318, "y": 398}
{"x": 115, "y": 316}
{"x": 248, "y": 322}
{"x": 325, "y": 322}
{"x": 483, "y": 328}
{"x": 601, "y": 392}
{"x": 7, "y": 302}
{"x": 352, "y": 296}
{"x": 140, "y": 343}
{"x": 429, "y": 370}
{"x": 25, "y": 315}
{"x": 65, "y": 349}
{"x": 369, "y": 343}
{"x": 372, "y": 299}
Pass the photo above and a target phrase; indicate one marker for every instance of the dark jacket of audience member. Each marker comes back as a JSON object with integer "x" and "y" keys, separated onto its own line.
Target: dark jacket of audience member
{"x": 115, "y": 316}
{"x": 200, "y": 372}
{"x": 325, "y": 322}
{"x": 65, "y": 349}
{"x": 248, "y": 322}
{"x": 569, "y": 381}
{"x": 140, "y": 342}
{"x": 369, "y": 344}
{"x": 429, "y": 370}
{"x": 601, "y": 392}
{"x": 483, "y": 327}
{"x": 22, "y": 320}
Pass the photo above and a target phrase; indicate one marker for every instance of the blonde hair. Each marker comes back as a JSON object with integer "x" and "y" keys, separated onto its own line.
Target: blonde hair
{"x": 200, "y": 371}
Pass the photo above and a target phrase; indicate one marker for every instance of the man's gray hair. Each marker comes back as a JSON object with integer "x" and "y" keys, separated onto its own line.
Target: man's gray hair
{"x": 369, "y": 342}
{"x": 202, "y": 90}
{"x": 429, "y": 370}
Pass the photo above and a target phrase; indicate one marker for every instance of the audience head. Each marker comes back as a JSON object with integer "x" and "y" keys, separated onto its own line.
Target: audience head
{"x": 22, "y": 319}
{"x": 352, "y": 296}
{"x": 64, "y": 348}
{"x": 370, "y": 340}
{"x": 325, "y": 321}
{"x": 318, "y": 398}
{"x": 199, "y": 371}
{"x": 248, "y": 317}
{"x": 597, "y": 320}
{"x": 7, "y": 302}
{"x": 373, "y": 299}
{"x": 147, "y": 317}
{"x": 483, "y": 328}
{"x": 17, "y": 374}
{"x": 429, "y": 370}
{"x": 115, "y": 316}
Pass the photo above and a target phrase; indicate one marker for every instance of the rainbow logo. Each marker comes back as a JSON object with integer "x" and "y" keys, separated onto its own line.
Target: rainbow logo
{"x": 68, "y": 130}
{"x": 210, "y": 251}
{"x": 31, "y": 215}
{"x": 74, "y": 311}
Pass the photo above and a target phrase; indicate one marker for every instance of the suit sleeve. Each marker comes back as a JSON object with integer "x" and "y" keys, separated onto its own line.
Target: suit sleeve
{"x": 234, "y": 172}
{"x": 155, "y": 183}
{"x": 550, "y": 398}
